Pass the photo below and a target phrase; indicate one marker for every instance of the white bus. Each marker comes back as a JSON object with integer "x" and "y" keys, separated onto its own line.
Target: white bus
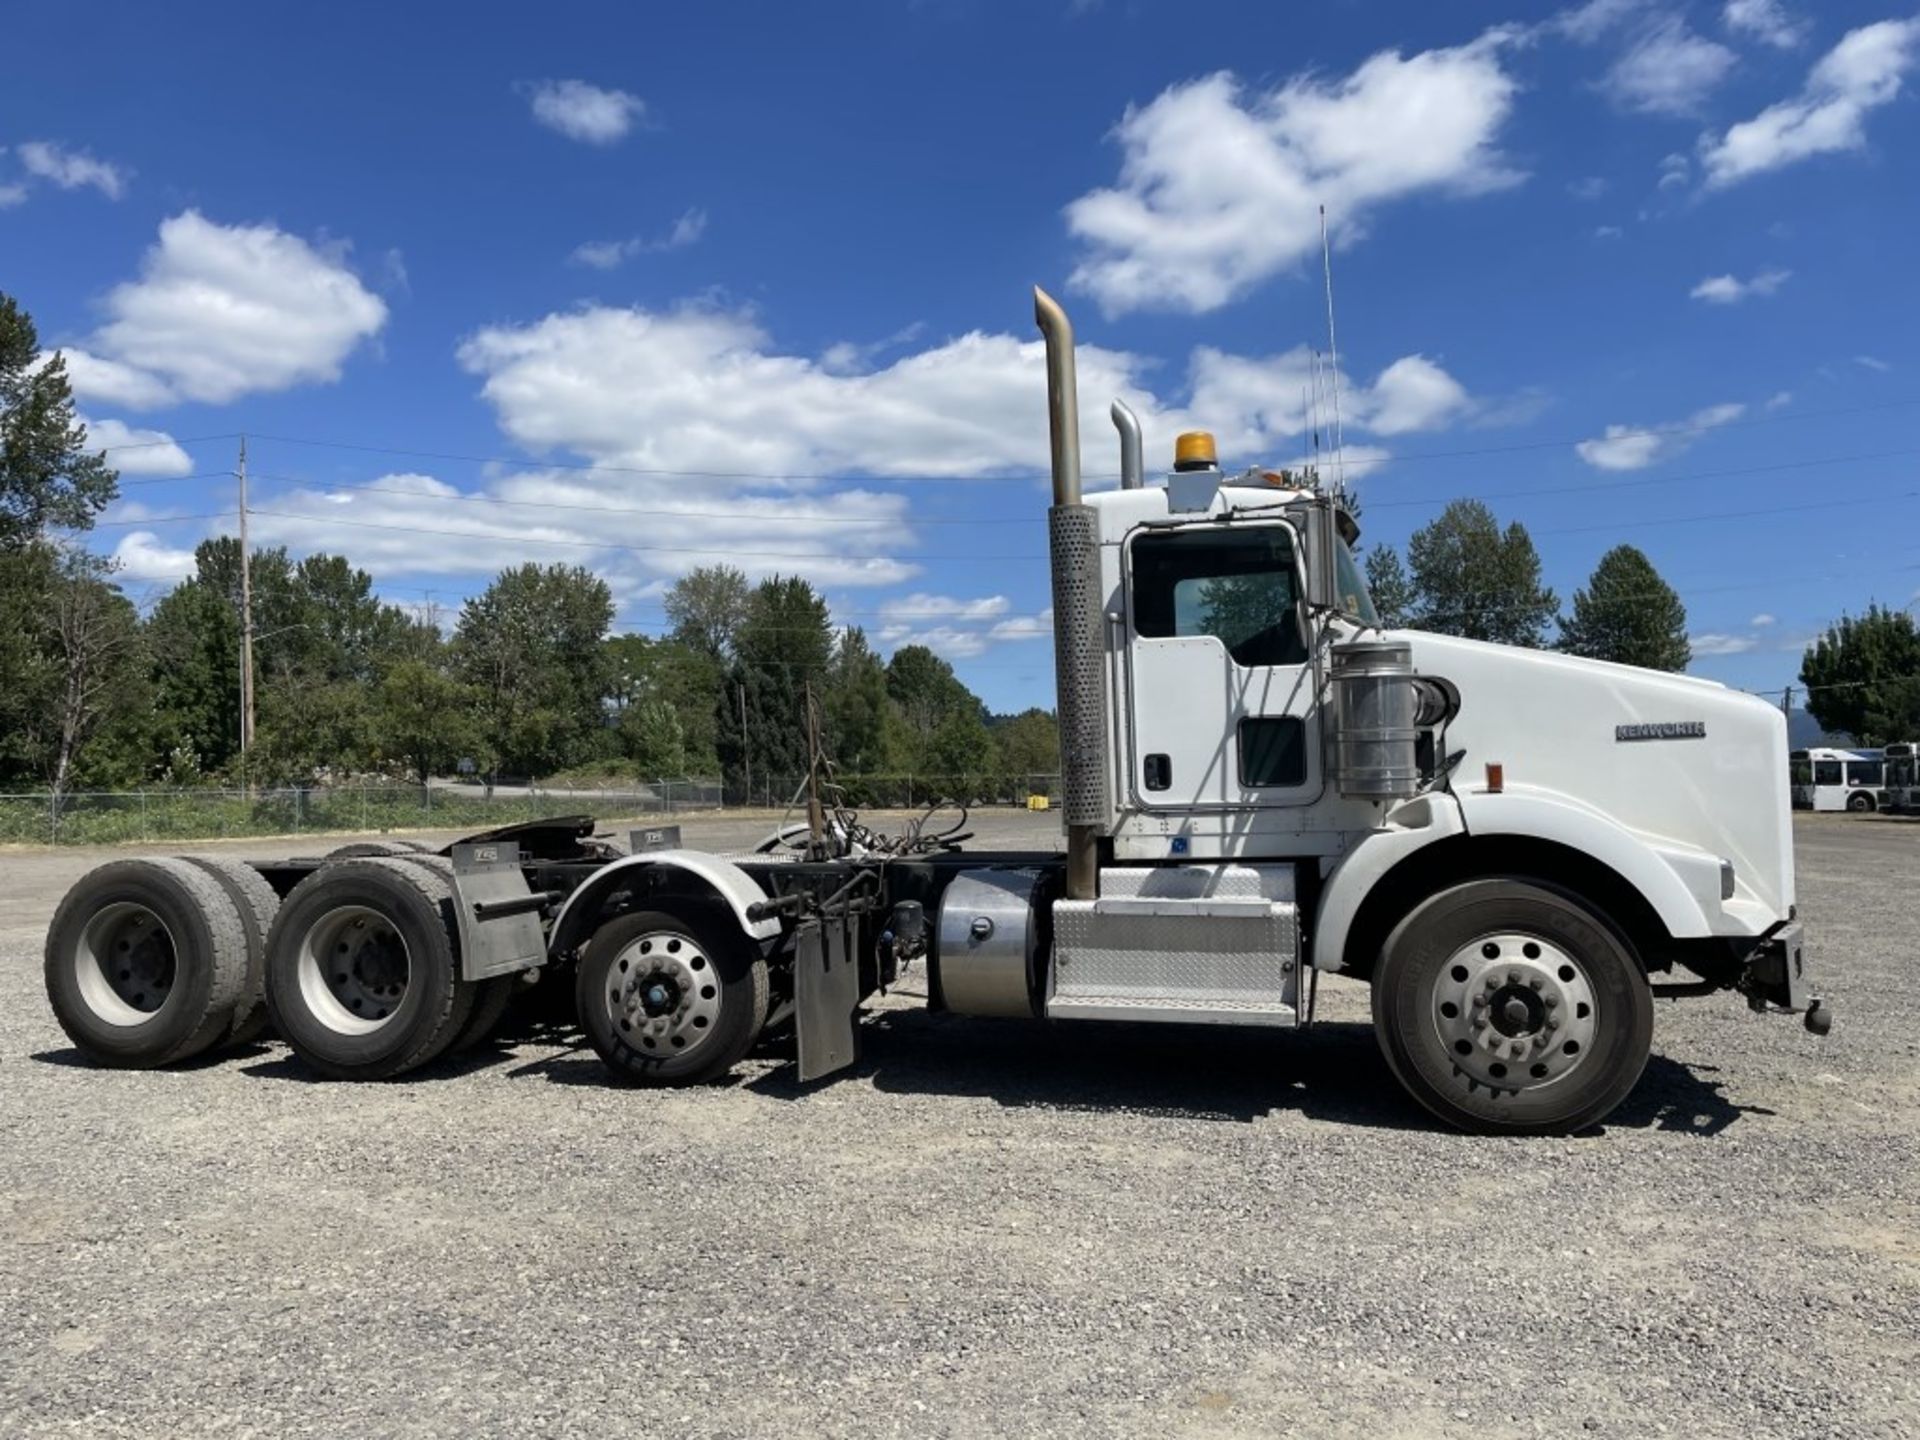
{"x": 1824, "y": 779}
{"x": 1903, "y": 776}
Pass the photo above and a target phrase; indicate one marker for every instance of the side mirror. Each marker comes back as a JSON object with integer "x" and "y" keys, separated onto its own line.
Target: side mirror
{"x": 1322, "y": 545}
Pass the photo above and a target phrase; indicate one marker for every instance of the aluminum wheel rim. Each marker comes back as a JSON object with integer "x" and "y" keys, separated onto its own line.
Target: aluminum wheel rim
{"x": 125, "y": 964}
{"x": 1515, "y": 1012}
{"x": 355, "y": 970}
{"x": 663, "y": 994}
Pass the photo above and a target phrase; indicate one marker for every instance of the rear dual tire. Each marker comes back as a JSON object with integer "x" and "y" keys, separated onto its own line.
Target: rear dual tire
{"x": 146, "y": 962}
{"x": 363, "y": 973}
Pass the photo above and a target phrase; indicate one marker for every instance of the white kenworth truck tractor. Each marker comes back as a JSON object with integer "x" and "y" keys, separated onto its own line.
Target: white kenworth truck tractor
{"x": 1518, "y": 851}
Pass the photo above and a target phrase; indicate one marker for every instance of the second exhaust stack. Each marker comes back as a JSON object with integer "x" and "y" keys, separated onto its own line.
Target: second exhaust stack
{"x": 1079, "y": 626}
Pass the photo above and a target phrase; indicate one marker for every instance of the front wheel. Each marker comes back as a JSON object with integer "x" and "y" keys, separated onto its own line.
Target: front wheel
{"x": 1508, "y": 1007}
{"x": 1860, "y": 802}
{"x": 671, "y": 998}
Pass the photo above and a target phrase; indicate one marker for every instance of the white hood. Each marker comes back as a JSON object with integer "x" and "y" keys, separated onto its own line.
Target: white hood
{"x": 1708, "y": 772}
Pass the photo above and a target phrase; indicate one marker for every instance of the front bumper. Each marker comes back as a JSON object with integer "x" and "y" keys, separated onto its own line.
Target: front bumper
{"x": 1776, "y": 974}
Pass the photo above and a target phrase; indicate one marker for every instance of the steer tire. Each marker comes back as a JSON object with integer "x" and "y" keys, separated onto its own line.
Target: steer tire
{"x": 258, "y": 904}
{"x": 187, "y": 937}
{"x": 1860, "y": 802}
{"x": 398, "y": 1002}
{"x": 706, "y": 1034}
{"x": 1472, "y": 1036}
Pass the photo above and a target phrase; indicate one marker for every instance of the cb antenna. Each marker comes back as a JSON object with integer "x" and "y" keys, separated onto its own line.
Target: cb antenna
{"x": 1333, "y": 358}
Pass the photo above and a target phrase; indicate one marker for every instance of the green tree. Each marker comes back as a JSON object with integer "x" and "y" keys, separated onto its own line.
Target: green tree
{"x": 73, "y": 694}
{"x": 1475, "y": 581}
{"x": 857, "y": 704}
{"x": 645, "y": 670}
{"x": 1393, "y": 594}
{"x": 782, "y": 646}
{"x": 1863, "y": 677}
{"x": 47, "y": 475}
{"x": 705, "y": 607}
{"x": 1628, "y": 614}
{"x": 652, "y": 740}
{"x": 960, "y": 744}
{"x": 927, "y": 691}
{"x": 1029, "y": 743}
{"x": 424, "y": 719}
{"x": 531, "y": 645}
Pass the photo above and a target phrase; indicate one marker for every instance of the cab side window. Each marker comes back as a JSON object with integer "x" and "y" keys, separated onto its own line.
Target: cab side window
{"x": 1236, "y": 585}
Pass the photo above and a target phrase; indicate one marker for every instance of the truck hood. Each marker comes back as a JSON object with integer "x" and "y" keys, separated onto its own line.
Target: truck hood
{"x": 1685, "y": 764}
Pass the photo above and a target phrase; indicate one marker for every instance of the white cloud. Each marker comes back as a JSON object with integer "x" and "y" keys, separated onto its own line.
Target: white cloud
{"x": 1764, "y": 20}
{"x": 141, "y": 555}
{"x": 1761, "y": 621}
{"x": 137, "y": 452}
{"x": 1025, "y": 627}
{"x": 1730, "y": 289}
{"x": 921, "y": 606}
{"x": 961, "y": 632}
{"x": 1779, "y": 400}
{"x": 1718, "y": 644}
{"x": 1629, "y": 447}
{"x": 72, "y": 169}
{"x": 11, "y": 195}
{"x": 1675, "y": 171}
{"x": 1862, "y": 72}
{"x": 1591, "y": 188}
{"x": 1413, "y": 393}
{"x": 94, "y": 377}
{"x": 1219, "y": 184}
{"x": 703, "y": 390}
{"x": 585, "y": 112}
{"x": 1668, "y": 70}
{"x": 1595, "y": 19}
{"x": 1872, "y": 362}
{"x": 610, "y": 254}
{"x": 634, "y": 528}
{"x": 222, "y": 311}
{"x": 1608, "y": 232}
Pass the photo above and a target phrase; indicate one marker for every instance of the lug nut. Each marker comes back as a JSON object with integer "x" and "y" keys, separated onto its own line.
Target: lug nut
{"x": 1552, "y": 1001}
{"x": 1517, "y": 1049}
{"x": 1553, "y": 1022}
{"x": 1534, "y": 982}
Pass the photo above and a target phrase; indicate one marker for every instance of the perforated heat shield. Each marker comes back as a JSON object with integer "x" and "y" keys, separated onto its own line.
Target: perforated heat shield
{"x": 1078, "y": 654}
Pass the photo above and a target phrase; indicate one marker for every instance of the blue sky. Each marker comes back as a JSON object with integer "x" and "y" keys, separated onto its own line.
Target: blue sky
{"x": 1629, "y": 272}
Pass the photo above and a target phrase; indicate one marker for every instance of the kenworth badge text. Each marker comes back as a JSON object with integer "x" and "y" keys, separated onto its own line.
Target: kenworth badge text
{"x": 1517, "y": 849}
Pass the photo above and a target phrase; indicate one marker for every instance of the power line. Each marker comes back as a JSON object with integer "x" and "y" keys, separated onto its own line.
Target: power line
{"x": 1476, "y": 452}
{"x": 904, "y": 521}
{"x": 1026, "y": 556}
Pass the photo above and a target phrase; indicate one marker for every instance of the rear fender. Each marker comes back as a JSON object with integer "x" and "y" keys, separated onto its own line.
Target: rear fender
{"x": 723, "y": 879}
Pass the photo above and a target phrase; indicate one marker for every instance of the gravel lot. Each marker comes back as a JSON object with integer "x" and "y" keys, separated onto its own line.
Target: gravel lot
{"x": 988, "y": 1228}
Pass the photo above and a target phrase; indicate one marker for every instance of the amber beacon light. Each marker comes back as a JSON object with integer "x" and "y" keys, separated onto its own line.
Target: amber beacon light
{"x": 1195, "y": 451}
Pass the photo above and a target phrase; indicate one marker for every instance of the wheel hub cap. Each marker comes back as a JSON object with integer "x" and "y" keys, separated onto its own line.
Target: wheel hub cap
{"x": 663, "y": 995}
{"x": 354, "y": 969}
{"x": 1515, "y": 1012}
{"x": 124, "y": 964}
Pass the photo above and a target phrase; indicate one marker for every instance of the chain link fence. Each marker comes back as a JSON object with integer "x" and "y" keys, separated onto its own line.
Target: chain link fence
{"x": 134, "y": 816}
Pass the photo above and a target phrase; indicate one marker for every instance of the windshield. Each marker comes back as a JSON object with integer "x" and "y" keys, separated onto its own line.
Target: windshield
{"x": 1352, "y": 588}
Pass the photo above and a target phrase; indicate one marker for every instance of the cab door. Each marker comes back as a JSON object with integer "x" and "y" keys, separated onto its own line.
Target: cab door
{"x": 1220, "y": 703}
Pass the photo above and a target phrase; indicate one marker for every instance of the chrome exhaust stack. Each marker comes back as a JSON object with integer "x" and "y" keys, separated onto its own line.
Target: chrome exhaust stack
{"x": 1079, "y": 624}
{"x": 1133, "y": 465}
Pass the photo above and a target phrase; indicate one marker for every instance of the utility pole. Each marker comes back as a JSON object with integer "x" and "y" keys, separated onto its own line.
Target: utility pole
{"x": 746, "y": 746}
{"x": 246, "y": 623}
{"x": 1786, "y": 703}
